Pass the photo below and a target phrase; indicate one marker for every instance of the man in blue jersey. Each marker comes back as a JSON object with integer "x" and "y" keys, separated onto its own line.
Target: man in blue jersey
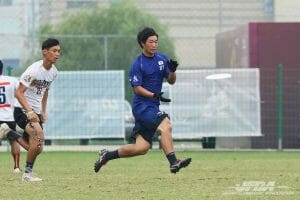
{"x": 147, "y": 74}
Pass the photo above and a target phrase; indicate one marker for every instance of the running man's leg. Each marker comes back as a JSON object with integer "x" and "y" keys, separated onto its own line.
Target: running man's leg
{"x": 36, "y": 138}
{"x": 15, "y": 152}
{"x": 165, "y": 129}
{"x": 11, "y": 134}
{"x": 140, "y": 147}
{"x": 15, "y": 136}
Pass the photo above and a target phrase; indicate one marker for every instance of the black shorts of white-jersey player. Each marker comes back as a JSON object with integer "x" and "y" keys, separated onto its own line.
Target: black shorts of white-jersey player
{"x": 146, "y": 77}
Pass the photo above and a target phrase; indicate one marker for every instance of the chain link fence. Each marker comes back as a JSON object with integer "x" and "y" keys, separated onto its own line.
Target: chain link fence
{"x": 192, "y": 25}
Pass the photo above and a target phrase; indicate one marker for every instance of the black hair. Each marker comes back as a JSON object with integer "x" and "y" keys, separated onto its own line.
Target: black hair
{"x": 144, "y": 34}
{"x": 1, "y": 67}
{"x": 50, "y": 42}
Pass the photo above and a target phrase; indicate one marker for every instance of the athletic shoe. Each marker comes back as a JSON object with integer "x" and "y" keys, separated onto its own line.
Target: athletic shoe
{"x": 4, "y": 129}
{"x": 180, "y": 164}
{"x": 101, "y": 161}
{"x": 30, "y": 177}
{"x": 17, "y": 170}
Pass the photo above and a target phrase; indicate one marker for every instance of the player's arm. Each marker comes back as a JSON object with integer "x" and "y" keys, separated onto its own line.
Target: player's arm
{"x": 171, "y": 78}
{"x": 172, "y": 65}
{"x": 21, "y": 98}
{"x": 44, "y": 105}
{"x": 139, "y": 90}
{"x": 136, "y": 80}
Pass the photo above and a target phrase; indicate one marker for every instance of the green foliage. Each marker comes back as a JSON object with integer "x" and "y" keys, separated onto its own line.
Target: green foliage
{"x": 89, "y": 37}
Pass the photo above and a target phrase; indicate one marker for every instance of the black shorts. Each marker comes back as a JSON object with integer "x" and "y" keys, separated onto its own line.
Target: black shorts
{"x": 147, "y": 130}
{"x": 11, "y": 125}
{"x": 21, "y": 118}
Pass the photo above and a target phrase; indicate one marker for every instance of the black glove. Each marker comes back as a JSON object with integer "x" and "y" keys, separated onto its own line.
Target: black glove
{"x": 172, "y": 65}
{"x": 161, "y": 98}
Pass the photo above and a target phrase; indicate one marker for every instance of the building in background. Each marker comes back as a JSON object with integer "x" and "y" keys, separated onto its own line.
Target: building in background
{"x": 14, "y": 27}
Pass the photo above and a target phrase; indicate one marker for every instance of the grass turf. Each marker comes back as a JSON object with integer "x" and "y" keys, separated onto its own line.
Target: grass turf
{"x": 211, "y": 175}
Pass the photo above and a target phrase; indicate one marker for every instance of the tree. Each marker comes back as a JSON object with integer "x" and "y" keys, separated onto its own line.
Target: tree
{"x": 89, "y": 37}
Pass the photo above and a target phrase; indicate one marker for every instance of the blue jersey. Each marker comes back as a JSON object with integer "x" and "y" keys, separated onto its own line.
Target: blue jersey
{"x": 148, "y": 72}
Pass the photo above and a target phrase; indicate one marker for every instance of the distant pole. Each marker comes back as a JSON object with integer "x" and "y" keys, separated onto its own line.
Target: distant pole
{"x": 280, "y": 106}
{"x": 105, "y": 53}
{"x": 9, "y": 70}
{"x": 32, "y": 30}
{"x": 220, "y": 16}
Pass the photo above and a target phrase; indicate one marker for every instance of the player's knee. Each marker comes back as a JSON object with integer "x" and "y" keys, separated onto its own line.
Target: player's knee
{"x": 142, "y": 151}
{"x": 169, "y": 127}
{"x": 40, "y": 145}
{"x": 15, "y": 151}
{"x": 39, "y": 149}
{"x": 166, "y": 127}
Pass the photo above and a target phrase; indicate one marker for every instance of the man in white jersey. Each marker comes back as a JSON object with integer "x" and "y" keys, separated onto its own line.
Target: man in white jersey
{"x": 32, "y": 94}
{"x": 8, "y": 86}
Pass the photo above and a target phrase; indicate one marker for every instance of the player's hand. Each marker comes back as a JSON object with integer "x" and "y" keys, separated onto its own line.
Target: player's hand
{"x": 161, "y": 98}
{"x": 172, "y": 64}
{"x": 32, "y": 116}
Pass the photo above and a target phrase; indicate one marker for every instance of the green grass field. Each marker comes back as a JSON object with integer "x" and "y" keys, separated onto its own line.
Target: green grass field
{"x": 211, "y": 175}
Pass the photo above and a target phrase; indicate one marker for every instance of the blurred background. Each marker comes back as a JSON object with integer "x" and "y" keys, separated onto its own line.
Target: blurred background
{"x": 98, "y": 40}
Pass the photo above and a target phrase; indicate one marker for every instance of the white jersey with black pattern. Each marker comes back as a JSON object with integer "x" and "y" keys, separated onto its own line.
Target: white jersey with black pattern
{"x": 8, "y": 86}
{"x": 37, "y": 79}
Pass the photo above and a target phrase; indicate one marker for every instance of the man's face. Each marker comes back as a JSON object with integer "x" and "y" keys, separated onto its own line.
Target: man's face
{"x": 52, "y": 54}
{"x": 150, "y": 46}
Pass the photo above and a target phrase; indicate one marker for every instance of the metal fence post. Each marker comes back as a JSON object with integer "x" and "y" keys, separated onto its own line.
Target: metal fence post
{"x": 280, "y": 106}
{"x": 105, "y": 53}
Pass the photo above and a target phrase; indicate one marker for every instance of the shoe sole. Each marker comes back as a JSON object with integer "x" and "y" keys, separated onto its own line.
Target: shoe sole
{"x": 97, "y": 166}
{"x": 16, "y": 171}
{"x": 183, "y": 164}
{"x": 31, "y": 180}
{"x": 27, "y": 181}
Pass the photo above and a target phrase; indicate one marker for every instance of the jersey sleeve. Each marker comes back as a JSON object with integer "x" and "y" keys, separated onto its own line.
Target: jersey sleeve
{"x": 27, "y": 77}
{"x": 135, "y": 75}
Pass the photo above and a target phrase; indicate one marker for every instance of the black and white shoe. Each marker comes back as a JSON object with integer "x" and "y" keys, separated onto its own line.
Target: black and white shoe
{"x": 180, "y": 164}
{"x": 101, "y": 161}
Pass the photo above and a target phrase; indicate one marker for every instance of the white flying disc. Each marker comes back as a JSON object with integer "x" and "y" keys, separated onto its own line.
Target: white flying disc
{"x": 218, "y": 76}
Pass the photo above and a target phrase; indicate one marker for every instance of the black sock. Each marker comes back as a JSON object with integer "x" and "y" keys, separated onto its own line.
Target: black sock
{"x": 28, "y": 167}
{"x": 112, "y": 155}
{"x": 172, "y": 158}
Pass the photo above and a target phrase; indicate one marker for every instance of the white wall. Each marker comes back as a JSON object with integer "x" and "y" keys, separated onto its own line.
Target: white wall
{"x": 287, "y": 10}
